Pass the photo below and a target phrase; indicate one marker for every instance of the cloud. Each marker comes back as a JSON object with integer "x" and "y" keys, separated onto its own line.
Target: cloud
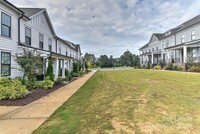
{"x": 113, "y": 26}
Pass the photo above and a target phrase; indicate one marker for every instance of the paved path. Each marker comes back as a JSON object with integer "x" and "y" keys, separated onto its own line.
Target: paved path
{"x": 25, "y": 119}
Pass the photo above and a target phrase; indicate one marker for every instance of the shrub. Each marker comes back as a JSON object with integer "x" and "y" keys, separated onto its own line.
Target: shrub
{"x": 47, "y": 83}
{"x": 179, "y": 68}
{"x": 75, "y": 74}
{"x": 50, "y": 73}
{"x": 37, "y": 85}
{"x": 75, "y": 68}
{"x": 169, "y": 66}
{"x": 69, "y": 77}
{"x": 162, "y": 64}
{"x": 158, "y": 67}
{"x": 175, "y": 68}
{"x": 148, "y": 66}
{"x": 23, "y": 81}
{"x": 11, "y": 89}
{"x": 81, "y": 73}
{"x": 59, "y": 81}
{"x": 194, "y": 69}
{"x": 67, "y": 72}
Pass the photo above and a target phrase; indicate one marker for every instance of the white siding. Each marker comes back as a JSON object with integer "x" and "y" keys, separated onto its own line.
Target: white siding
{"x": 10, "y": 44}
{"x": 38, "y": 25}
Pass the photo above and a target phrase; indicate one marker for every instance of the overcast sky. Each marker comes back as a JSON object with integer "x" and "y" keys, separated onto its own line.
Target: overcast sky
{"x": 113, "y": 26}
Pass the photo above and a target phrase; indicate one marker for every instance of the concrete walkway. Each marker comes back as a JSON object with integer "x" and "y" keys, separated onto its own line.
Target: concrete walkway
{"x": 25, "y": 119}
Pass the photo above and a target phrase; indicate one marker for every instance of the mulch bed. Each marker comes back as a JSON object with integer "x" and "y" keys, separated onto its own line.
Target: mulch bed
{"x": 35, "y": 95}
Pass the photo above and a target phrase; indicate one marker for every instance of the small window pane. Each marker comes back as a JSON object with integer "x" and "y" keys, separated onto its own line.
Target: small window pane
{"x": 6, "y": 20}
{"x": 193, "y": 32}
{"x": 5, "y": 58}
{"x": 41, "y": 37}
{"x": 5, "y": 70}
{"x": 5, "y": 31}
{"x": 28, "y": 32}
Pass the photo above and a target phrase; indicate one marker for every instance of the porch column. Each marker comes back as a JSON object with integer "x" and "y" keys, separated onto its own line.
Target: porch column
{"x": 162, "y": 57}
{"x": 185, "y": 54}
{"x": 168, "y": 56}
{"x": 56, "y": 68}
{"x": 68, "y": 65}
{"x": 152, "y": 58}
{"x": 63, "y": 68}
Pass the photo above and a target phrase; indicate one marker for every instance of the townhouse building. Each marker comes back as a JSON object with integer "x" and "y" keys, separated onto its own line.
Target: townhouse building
{"x": 177, "y": 45}
{"x": 31, "y": 28}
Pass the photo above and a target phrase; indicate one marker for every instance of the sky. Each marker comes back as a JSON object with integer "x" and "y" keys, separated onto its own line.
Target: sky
{"x": 113, "y": 26}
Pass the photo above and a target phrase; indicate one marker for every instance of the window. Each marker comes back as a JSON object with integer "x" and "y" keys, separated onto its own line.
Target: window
{"x": 193, "y": 35}
{"x": 5, "y": 25}
{"x": 149, "y": 50}
{"x": 28, "y": 36}
{"x": 41, "y": 41}
{"x": 50, "y": 45}
{"x": 5, "y": 64}
{"x": 157, "y": 47}
{"x": 66, "y": 53}
{"x": 167, "y": 43}
{"x": 152, "y": 49}
{"x": 163, "y": 44}
{"x": 59, "y": 48}
{"x": 182, "y": 38}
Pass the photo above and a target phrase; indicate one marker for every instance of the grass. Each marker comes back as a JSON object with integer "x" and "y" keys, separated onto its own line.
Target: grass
{"x": 130, "y": 101}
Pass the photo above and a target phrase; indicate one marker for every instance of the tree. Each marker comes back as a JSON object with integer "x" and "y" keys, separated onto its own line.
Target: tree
{"x": 50, "y": 71}
{"x": 129, "y": 59}
{"x": 89, "y": 59}
{"x": 31, "y": 63}
{"x": 104, "y": 61}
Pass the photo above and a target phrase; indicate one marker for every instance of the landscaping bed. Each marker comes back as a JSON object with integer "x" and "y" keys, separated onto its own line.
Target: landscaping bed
{"x": 34, "y": 95}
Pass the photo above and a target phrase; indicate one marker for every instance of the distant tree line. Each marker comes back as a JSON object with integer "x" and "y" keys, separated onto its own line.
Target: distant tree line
{"x": 126, "y": 59}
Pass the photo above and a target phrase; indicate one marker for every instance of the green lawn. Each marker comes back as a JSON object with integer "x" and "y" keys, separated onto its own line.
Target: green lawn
{"x": 131, "y": 101}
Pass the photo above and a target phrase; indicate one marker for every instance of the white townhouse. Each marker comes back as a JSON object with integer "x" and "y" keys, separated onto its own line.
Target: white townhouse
{"x": 177, "y": 45}
{"x": 31, "y": 28}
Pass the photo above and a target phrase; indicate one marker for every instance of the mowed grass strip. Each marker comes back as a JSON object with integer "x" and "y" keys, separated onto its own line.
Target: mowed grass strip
{"x": 130, "y": 101}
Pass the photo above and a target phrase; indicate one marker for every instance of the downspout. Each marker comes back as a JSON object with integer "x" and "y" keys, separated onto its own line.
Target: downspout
{"x": 19, "y": 27}
{"x": 175, "y": 45}
{"x": 57, "y": 45}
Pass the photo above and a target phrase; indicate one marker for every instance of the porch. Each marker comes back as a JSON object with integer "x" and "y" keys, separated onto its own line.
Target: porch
{"x": 184, "y": 53}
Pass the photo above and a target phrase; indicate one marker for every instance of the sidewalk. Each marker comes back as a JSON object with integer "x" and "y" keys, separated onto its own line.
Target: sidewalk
{"x": 25, "y": 119}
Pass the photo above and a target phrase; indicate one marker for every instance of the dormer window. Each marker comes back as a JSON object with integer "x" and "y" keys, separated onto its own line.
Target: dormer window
{"x": 193, "y": 35}
{"x": 167, "y": 33}
{"x": 182, "y": 38}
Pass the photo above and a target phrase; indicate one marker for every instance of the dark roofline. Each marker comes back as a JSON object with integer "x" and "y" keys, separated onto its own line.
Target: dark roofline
{"x": 144, "y": 46}
{"x": 66, "y": 42}
{"x": 13, "y": 6}
{"x": 16, "y": 8}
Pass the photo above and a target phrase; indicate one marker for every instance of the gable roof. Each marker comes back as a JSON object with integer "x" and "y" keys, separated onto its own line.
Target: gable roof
{"x": 67, "y": 43}
{"x": 31, "y": 11}
{"x": 144, "y": 46}
{"x": 158, "y": 35}
{"x": 15, "y": 8}
{"x": 188, "y": 23}
{"x": 184, "y": 25}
